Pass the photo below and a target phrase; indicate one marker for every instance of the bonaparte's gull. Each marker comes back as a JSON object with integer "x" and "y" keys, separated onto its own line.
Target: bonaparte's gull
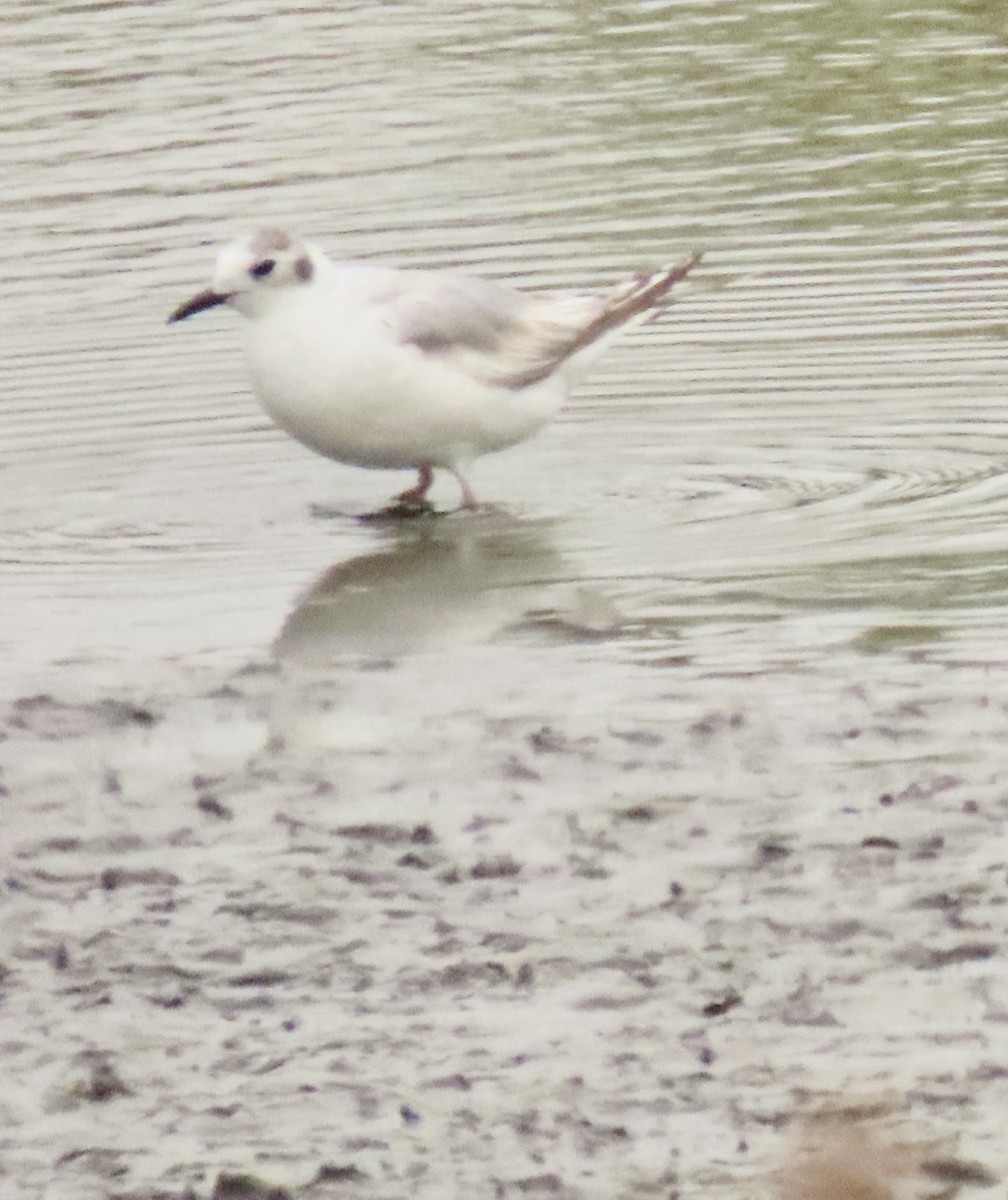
{"x": 379, "y": 367}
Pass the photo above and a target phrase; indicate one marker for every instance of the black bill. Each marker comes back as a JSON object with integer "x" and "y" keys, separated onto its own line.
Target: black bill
{"x": 199, "y": 302}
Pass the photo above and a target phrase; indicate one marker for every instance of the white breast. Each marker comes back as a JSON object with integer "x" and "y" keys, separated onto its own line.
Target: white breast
{"x": 331, "y": 373}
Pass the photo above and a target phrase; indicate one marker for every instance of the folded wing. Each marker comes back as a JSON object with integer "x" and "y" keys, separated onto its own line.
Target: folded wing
{"x": 511, "y": 339}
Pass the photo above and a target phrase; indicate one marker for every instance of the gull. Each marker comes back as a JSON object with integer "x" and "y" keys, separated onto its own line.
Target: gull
{"x": 402, "y": 368}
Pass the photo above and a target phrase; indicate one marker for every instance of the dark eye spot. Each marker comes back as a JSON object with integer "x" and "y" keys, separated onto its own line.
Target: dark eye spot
{"x": 262, "y": 269}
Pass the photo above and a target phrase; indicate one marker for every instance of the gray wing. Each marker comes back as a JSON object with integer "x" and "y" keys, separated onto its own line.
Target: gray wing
{"x": 507, "y": 338}
{"x": 441, "y": 313}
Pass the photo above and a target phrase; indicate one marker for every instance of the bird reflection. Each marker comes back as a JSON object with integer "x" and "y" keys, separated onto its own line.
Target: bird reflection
{"x": 435, "y": 582}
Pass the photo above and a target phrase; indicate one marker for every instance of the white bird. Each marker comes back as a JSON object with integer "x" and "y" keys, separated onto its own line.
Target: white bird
{"x": 386, "y": 368}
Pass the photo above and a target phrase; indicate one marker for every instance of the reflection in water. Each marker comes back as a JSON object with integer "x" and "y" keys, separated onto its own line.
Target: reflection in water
{"x": 441, "y": 581}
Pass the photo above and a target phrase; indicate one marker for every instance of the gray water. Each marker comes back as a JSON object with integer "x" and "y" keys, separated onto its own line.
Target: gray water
{"x": 818, "y": 425}
{"x": 786, "y": 498}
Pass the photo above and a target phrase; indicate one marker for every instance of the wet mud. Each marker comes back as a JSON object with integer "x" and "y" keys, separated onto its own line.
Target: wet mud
{"x": 443, "y": 925}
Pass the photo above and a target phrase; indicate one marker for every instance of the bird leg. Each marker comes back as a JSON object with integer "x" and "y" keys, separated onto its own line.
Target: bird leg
{"x": 414, "y": 503}
{"x": 411, "y": 503}
{"x": 468, "y": 497}
{"x": 417, "y": 495}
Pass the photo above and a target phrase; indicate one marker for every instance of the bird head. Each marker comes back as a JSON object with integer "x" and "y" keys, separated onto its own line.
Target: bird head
{"x": 251, "y": 271}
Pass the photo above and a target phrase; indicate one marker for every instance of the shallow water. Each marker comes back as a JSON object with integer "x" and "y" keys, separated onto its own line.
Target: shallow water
{"x": 783, "y": 503}
{"x": 824, "y": 404}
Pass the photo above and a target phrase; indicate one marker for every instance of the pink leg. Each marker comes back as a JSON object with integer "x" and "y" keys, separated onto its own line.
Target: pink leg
{"x": 468, "y": 498}
{"x": 418, "y": 493}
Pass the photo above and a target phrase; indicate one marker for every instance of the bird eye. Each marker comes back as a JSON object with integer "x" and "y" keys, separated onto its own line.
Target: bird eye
{"x": 262, "y": 269}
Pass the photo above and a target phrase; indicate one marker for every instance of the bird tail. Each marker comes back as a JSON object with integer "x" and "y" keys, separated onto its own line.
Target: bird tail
{"x": 643, "y": 293}
{"x": 562, "y": 331}
{"x": 578, "y": 335}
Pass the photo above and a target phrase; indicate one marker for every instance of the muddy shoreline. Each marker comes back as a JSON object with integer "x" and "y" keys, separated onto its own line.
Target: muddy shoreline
{"x": 501, "y": 942}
